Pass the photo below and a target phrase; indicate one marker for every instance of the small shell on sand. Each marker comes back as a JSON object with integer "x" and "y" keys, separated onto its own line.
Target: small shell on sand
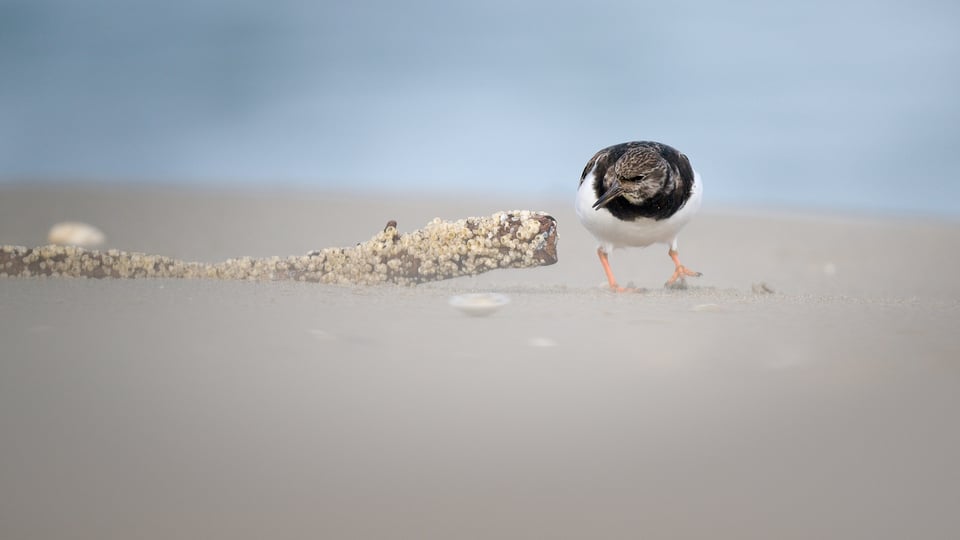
{"x": 74, "y": 233}
{"x": 541, "y": 342}
{"x": 707, "y": 307}
{"x": 762, "y": 288}
{"x": 479, "y": 304}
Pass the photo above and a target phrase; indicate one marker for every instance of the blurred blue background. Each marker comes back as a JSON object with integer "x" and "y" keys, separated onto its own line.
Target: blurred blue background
{"x": 822, "y": 104}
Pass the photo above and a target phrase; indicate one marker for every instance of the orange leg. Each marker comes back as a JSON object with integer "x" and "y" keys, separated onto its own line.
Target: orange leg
{"x": 606, "y": 270}
{"x": 681, "y": 271}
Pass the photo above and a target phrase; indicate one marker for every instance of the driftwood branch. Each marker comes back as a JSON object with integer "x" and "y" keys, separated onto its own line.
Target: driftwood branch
{"x": 441, "y": 250}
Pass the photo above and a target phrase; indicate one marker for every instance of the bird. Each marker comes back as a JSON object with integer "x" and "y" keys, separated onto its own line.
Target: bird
{"x": 636, "y": 194}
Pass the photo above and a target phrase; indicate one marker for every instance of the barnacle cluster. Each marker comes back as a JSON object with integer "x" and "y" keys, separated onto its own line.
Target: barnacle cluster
{"x": 440, "y": 250}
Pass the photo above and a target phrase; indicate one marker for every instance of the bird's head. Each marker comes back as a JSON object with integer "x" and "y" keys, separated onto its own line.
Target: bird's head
{"x": 638, "y": 175}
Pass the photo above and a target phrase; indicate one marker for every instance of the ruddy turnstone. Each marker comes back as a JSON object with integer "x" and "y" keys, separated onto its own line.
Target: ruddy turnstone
{"x": 636, "y": 194}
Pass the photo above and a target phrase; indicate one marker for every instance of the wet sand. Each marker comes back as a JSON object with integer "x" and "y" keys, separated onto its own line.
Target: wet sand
{"x": 229, "y": 409}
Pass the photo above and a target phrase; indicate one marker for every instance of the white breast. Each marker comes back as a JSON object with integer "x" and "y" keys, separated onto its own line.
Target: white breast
{"x": 614, "y": 233}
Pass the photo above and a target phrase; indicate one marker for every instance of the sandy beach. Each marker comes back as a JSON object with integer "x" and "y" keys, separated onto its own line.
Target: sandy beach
{"x": 163, "y": 408}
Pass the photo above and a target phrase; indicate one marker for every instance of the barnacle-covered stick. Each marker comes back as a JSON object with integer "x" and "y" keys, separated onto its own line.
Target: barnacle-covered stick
{"x": 441, "y": 250}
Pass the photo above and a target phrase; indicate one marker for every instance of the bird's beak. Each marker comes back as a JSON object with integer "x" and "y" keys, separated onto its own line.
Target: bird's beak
{"x": 615, "y": 190}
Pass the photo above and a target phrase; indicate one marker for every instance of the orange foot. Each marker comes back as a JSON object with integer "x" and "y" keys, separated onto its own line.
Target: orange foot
{"x": 610, "y": 279}
{"x": 680, "y": 273}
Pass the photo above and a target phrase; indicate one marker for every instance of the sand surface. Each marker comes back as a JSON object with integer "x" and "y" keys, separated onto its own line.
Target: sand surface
{"x": 162, "y": 409}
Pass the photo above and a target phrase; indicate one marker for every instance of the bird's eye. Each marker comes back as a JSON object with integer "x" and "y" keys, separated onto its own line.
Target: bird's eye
{"x": 636, "y": 178}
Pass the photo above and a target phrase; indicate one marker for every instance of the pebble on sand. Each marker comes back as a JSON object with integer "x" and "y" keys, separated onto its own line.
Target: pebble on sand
{"x": 75, "y": 233}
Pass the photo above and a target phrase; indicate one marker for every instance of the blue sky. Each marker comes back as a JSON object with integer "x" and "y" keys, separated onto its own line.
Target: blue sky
{"x": 817, "y": 104}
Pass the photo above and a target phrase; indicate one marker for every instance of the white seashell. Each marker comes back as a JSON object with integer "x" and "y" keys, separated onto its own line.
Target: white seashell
{"x": 479, "y": 304}
{"x": 74, "y": 233}
{"x": 707, "y": 307}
